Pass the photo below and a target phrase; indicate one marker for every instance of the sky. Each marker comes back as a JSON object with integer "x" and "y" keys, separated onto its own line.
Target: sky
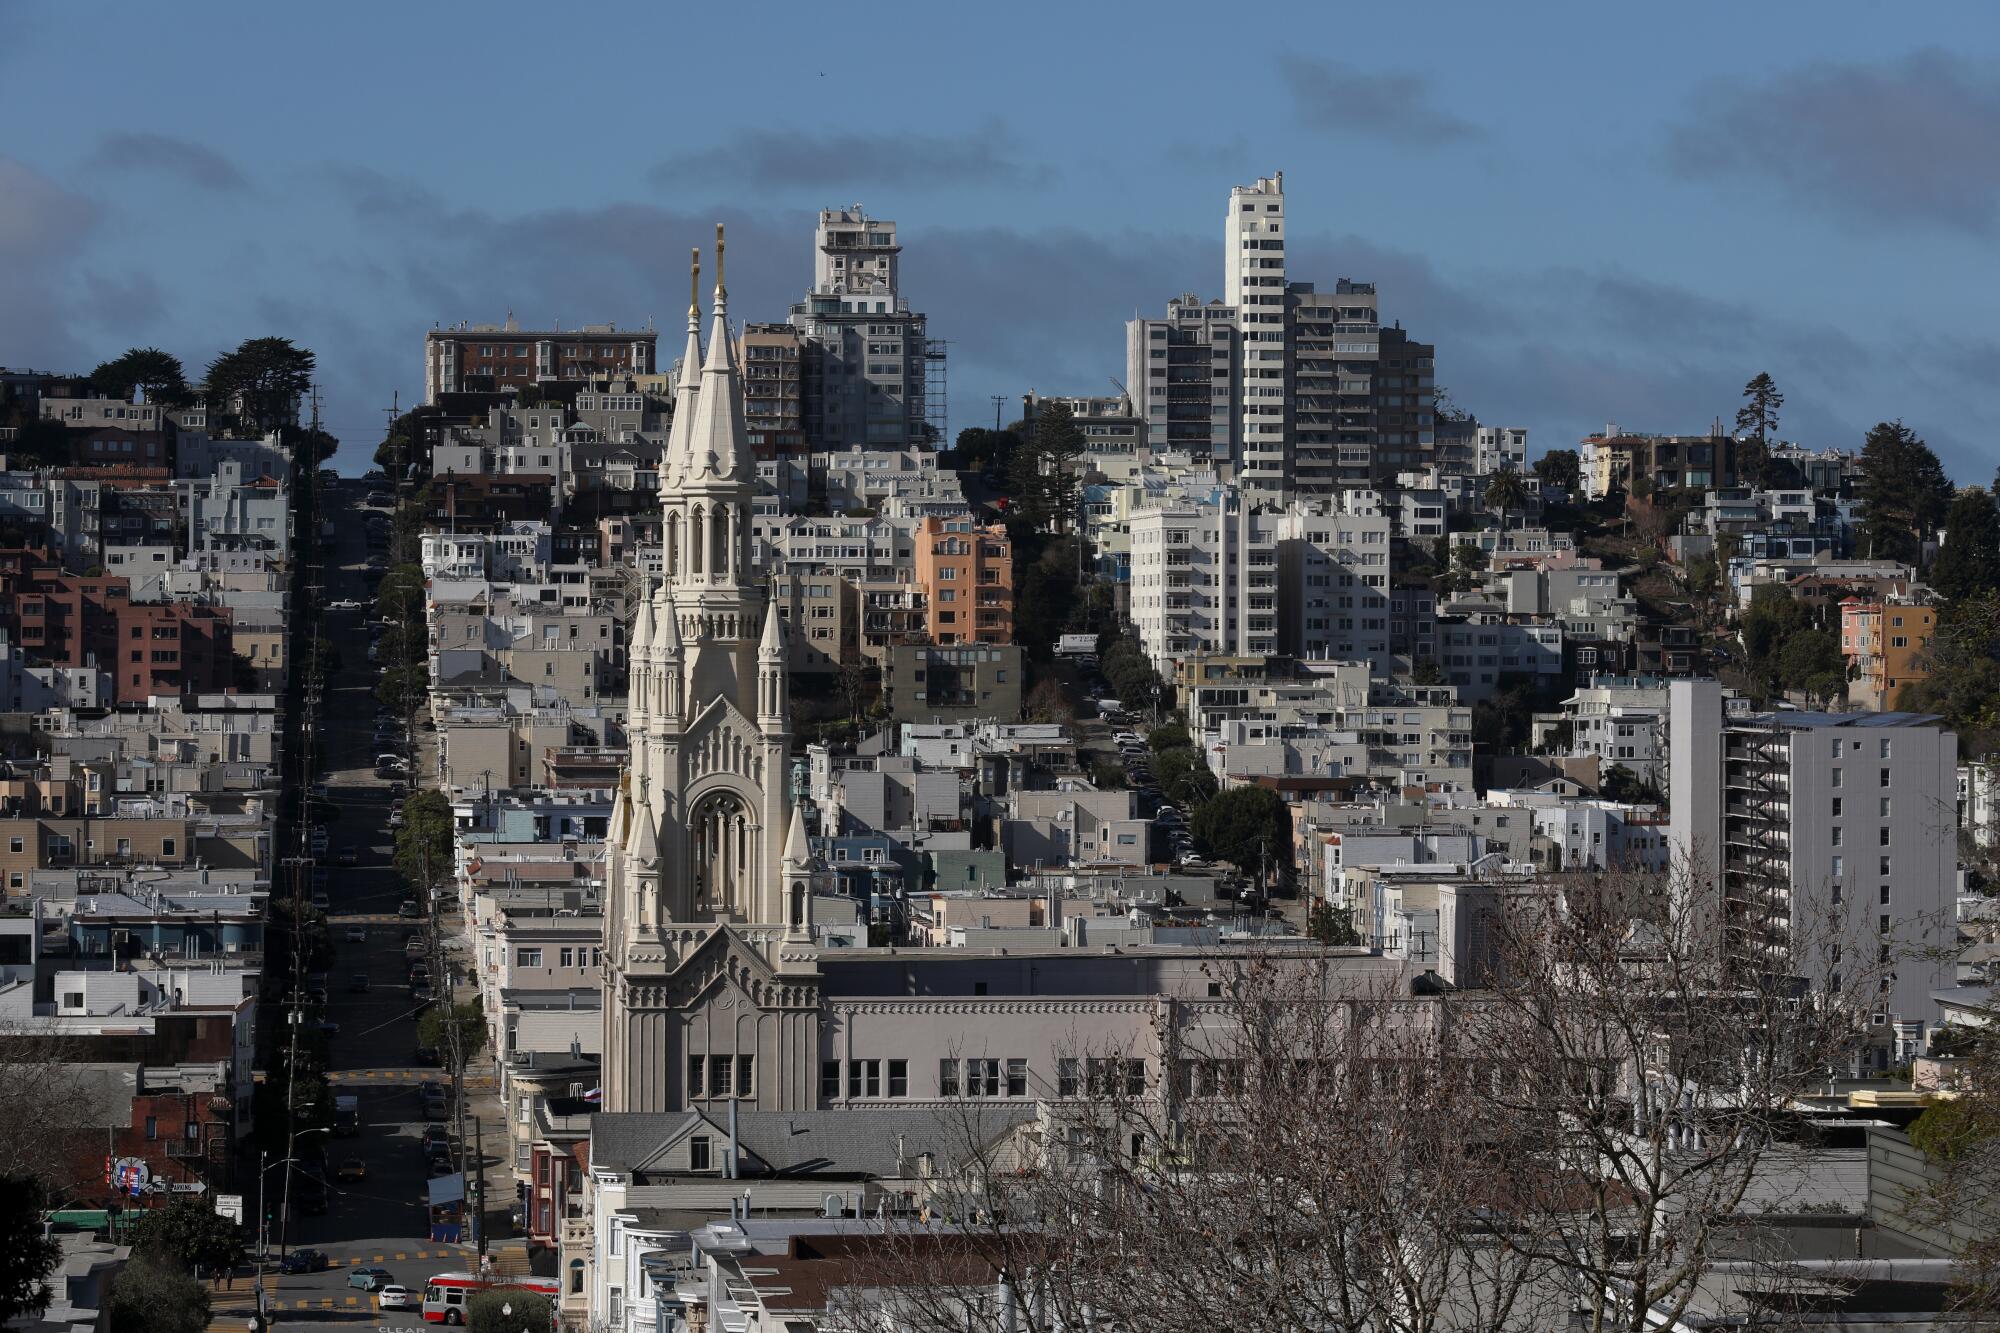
{"x": 1598, "y": 213}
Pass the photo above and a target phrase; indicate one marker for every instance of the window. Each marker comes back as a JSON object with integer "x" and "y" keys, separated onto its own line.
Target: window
{"x": 982, "y": 1078}
{"x": 700, "y": 1153}
{"x": 899, "y": 1078}
{"x": 864, "y": 1078}
{"x": 1885, "y": 749}
{"x": 829, "y": 1078}
{"x": 527, "y": 958}
{"x": 1885, "y": 867}
{"x": 1836, "y": 807}
{"x": 1838, "y": 868}
{"x": 1836, "y": 835}
{"x": 947, "y": 1078}
{"x": 152, "y": 1128}
{"x": 1885, "y": 895}
{"x": 1067, "y": 1084}
{"x": 697, "y": 1066}
{"x": 1017, "y": 1078}
{"x": 16, "y": 845}
{"x": 1885, "y": 835}
{"x": 167, "y": 847}
{"x": 1885, "y": 807}
{"x": 1836, "y": 777}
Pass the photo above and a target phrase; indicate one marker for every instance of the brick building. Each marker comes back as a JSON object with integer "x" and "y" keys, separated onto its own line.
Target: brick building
{"x": 73, "y": 620}
{"x": 481, "y": 357}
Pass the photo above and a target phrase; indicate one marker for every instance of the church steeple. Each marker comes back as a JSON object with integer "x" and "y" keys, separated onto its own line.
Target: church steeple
{"x": 773, "y": 683}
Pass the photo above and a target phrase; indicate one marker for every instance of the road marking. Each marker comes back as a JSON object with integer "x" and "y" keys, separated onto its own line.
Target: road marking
{"x": 401, "y": 1255}
{"x": 352, "y": 1301}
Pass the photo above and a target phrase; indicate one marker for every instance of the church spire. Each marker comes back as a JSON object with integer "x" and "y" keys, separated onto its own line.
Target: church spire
{"x": 667, "y": 664}
{"x": 773, "y": 684}
{"x": 718, "y": 441}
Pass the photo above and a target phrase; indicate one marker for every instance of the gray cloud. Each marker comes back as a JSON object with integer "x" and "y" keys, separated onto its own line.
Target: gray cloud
{"x": 1394, "y": 107}
{"x": 43, "y": 228}
{"x": 186, "y": 161}
{"x": 1906, "y": 141}
{"x": 798, "y": 159}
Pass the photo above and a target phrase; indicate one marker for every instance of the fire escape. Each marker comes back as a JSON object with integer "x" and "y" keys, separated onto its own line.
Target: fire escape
{"x": 1757, "y": 865}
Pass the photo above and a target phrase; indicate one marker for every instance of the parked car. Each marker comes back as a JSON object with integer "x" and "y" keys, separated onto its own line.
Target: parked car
{"x": 393, "y": 1297}
{"x": 409, "y": 907}
{"x": 305, "y": 1261}
{"x": 434, "y": 1110}
{"x": 420, "y": 994}
{"x": 344, "y": 604}
{"x": 357, "y": 934}
{"x": 435, "y": 1136}
{"x": 353, "y": 1168}
{"x": 347, "y": 856}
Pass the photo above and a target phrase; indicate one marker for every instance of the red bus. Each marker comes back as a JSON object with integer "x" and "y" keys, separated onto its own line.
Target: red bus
{"x": 446, "y": 1294}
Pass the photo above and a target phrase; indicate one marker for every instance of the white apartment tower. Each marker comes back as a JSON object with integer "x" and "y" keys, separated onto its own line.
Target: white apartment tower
{"x": 866, "y": 362}
{"x": 1254, "y": 284}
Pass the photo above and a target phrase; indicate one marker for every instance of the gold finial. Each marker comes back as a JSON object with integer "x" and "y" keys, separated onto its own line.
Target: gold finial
{"x": 718, "y": 256}
{"x": 694, "y": 281}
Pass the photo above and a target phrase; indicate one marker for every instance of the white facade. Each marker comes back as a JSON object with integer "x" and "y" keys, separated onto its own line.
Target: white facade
{"x": 1254, "y": 283}
{"x": 1205, "y": 580}
{"x": 1500, "y": 449}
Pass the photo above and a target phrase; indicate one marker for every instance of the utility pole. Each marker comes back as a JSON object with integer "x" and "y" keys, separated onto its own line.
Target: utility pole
{"x": 479, "y": 1206}
{"x": 999, "y": 401}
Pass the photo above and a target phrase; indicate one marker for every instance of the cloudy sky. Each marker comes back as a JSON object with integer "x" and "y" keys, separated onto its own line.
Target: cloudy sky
{"x": 1596, "y": 216}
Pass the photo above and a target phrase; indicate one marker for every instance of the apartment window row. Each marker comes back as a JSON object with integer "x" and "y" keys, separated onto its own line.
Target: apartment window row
{"x": 721, "y": 1076}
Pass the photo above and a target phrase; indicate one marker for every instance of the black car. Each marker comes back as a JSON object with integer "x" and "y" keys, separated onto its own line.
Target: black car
{"x": 428, "y": 1056}
{"x": 305, "y": 1261}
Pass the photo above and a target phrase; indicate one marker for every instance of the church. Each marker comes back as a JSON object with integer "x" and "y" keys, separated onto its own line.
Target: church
{"x": 717, "y": 997}
{"x": 711, "y": 987}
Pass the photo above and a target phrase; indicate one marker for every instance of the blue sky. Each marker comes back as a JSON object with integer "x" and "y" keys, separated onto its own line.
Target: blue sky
{"x": 1598, "y": 213}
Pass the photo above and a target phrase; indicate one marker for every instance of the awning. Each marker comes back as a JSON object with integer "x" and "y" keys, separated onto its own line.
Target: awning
{"x": 448, "y": 1189}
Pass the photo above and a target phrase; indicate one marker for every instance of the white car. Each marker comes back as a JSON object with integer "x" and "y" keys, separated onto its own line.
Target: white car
{"x": 393, "y": 1297}
{"x": 344, "y": 604}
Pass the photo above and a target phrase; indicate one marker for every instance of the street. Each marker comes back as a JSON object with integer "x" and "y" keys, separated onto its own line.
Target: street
{"x": 379, "y": 1219}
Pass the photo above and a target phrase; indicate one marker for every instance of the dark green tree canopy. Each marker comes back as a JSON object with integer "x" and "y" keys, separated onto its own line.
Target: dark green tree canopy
{"x": 190, "y": 1233}
{"x": 158, "y": 374}
{"x": 1561, "y": 469}
{"x": 1042, "y": 472}
{"x": 1904, "y": 492}
{"x": 1969, "y": 561}
{"x": 260, "y": 383}
{"x": 151, "y": 1296}
{"x": 26, "y": 1257}
{"x": 1247, "y": 827}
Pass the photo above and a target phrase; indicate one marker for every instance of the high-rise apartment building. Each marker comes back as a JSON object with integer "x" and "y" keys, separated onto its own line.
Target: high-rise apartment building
{"x": 1298, "y": 389}
{"x": 1254, "y": 283}
{"x": 771, "y": 403}
{"x": 1182, "y": 374}
{"x": 869, "y": 373}
{"x": 1823, "y": 841}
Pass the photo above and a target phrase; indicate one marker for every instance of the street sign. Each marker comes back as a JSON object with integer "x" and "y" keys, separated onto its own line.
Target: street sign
{"x": 129, "y": 1175}
{"x": 188, "y": 1187}
{"x": 230, "y": 1206}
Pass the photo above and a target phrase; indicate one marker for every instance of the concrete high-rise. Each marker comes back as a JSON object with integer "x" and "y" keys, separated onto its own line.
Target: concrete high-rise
{"x": 1181, "y": 373}
{"x": 1254, "y": 283}
{"x": 866, "y": 359}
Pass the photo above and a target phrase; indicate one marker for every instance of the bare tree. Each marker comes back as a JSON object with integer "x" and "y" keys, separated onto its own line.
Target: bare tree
{"x": 1574, "y": 1137}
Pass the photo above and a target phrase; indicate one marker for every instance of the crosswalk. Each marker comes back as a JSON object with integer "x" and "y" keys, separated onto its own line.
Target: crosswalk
{"x": 390, "y": 1078}
{"x": 242, "y": 1296}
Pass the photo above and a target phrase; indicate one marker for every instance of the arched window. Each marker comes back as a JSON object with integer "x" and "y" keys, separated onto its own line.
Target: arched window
{"x": 719, "y": 847}
{"x": 673, "y": 544}
{"x": 576, "y": 1277}
{"x": 722, "y": 561}
{"x": 694, "y": 541}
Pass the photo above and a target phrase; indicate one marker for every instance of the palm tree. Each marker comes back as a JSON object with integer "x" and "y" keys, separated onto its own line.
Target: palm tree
{"x": 1506, "y": 491}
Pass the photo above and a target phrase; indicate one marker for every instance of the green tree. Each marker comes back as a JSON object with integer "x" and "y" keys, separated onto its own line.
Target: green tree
{"x": 424, "y": 843}
{"x": 1043, "y": 474}
{"x": 1329, "y": 926}
{"x": 1048, "y": 701}
{"x": 982, "y": 450}
{"x": 1904, "y": 493}
{"x": 1964, "y": 681}
{"x": 1467, "y": 561}
{"x": 1172, "y": 766}
{"x": 1758, "y": 417}
{"x": 1560, "y": 469}
{"x": 26, "y": 1256}
{"x": 258, "y": 385}
{"x": 150, "y": 1296}
{"x": 457, "y": 1032}
{"x": 1167, "y": 736}
{"x": 407, "y": 443}
{"x": 190, "y": 1233}
{"x": 1506, "y": 491}
{"x": 1969, "y": 561}
{"x": 1046, "y": 604}
{"x": 158, "y": 374}
{"x": 1810, "y": 661}
{"x": 530, "y": 1312}
{"x": 1249, "y": 827}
